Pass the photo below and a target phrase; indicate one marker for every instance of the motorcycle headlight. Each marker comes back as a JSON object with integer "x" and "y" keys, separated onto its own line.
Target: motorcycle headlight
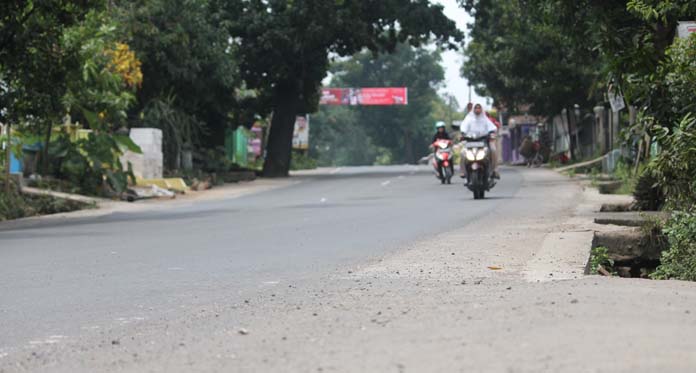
{"x": 470, "y": 155}
{"x": 481, "y": 154}
{"x": 443, "y": 145}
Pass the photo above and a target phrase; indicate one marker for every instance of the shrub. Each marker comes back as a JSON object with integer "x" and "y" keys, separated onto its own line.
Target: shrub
{"x": 600, "y": 257}
{"x": 675, "y": 166}
{"x": 14, "y": 205}
{"x": 679, "y": 261}
{"x": 648, "y": 194}
{"x": 301, "y": 161}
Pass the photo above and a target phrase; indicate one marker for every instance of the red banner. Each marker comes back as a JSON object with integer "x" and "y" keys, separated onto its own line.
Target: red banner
{"x": 364, "y": 96}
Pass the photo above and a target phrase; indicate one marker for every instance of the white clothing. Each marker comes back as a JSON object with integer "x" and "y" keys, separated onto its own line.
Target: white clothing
{"x": 477, "y": 125}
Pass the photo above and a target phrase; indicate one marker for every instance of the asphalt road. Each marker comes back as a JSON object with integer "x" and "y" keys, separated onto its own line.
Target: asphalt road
{"x": 377, "y": 269}
{"x": 86, "y": 273}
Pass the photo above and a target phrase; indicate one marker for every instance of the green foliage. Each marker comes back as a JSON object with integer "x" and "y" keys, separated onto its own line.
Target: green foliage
{"x": 648, "y": 194}
{"x": 190, "y": 73}
{"x": 33, "y": 64}
{"x": 675, "y": 166}
{"x": 520, "y": 53}
{"x": 339, "y": 139}
{"x": 284, "y": 49}
{"x": 300, "y": 161}
{"x": 404, "y": 131}
{"x": 213, "y": 160}
{"x": 93, "y": 163}
{"x": 15, "y": 205}
{"x": 600, "y": 257}
{"x": 96, "y": 91}
{"x": 624, "y": 173}
{"x": 180, "y": 131}
{"x": 679, "y": 262}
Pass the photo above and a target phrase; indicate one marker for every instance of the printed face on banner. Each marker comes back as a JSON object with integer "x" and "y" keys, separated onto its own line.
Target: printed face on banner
{"x": 300, "y": 138}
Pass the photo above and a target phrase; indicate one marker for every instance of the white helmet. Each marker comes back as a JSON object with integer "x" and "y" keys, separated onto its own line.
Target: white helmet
{"x": 440, "y": 124}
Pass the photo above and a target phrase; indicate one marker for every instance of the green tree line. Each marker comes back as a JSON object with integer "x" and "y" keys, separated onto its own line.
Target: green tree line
{"x": 193, "y": 68}
{"x": 554, "y": 54}
{"x": 382, "y": 134}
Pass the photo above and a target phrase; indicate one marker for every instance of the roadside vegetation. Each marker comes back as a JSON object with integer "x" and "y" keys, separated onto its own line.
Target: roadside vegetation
{"x": 75, "y": 76}
{"x": 573, "y": 55}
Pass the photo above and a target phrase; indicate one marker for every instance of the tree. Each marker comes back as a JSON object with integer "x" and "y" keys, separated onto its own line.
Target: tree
{"x": 519, "y": 55}
{"x": 339, "y": 138}
{"x": 98, "y": 93}
{"x": 284, "y": 49}
{"x": 33, "y": 64}
{"x": 190, "y": 73}
{"x": 404, "y": 130}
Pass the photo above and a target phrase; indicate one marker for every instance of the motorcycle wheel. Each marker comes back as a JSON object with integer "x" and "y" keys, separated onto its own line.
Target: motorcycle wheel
{"x": 448, "y": 175}
{"x": 538, "y": 161}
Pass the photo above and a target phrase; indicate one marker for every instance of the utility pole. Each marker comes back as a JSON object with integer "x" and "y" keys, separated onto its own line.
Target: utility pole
{"x": 449, "y": 109}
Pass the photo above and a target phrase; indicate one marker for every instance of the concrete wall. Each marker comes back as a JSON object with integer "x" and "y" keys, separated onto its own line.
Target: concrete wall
{"x": 149, "y": 164}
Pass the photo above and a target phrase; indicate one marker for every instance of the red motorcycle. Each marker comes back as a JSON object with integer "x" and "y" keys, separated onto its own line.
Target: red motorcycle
{"x": 442, "y": 160}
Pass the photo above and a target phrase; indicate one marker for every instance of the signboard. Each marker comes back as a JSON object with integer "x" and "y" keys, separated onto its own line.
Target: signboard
{"x": 300, "y": 138}
{"x": 616, "y": 101}
{"x": 684, "y": 29}
{"x": 364, "y": 96}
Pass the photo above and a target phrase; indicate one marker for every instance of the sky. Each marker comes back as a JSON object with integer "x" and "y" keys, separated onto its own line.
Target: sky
{"x": 452, "y": 60}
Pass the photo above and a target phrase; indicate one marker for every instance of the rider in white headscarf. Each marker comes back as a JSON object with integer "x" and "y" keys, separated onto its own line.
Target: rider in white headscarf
{"x": 477, "y": 123}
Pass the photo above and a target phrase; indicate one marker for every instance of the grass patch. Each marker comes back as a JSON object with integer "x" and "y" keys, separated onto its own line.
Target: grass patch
{"x": 599, "y": 257}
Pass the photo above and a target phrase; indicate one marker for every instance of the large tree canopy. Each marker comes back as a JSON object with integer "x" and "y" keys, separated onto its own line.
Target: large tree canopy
{"x": 189, "y": 70}
{"x": 284, "y": 49}
{"x": 534, "y": 50}
{"x": 33, "y": 64}
{"x": 403, "y": 130}
{"x": 518, "y": 55}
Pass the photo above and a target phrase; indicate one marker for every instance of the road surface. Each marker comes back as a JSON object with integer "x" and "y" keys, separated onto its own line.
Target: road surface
{"x": 359, "y": 269}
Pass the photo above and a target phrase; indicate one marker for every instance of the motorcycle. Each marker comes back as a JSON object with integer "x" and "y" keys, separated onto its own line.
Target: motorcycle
{"x": 477, "y": 160}
{"x": 442, "y": 161}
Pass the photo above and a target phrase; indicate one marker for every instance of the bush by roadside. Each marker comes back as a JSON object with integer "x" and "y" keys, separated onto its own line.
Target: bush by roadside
{"x": 679, "y": 262}
{"x": 675, "y": 170}
{"x": 301, "y": 161}
{"x": 15, "y": 205}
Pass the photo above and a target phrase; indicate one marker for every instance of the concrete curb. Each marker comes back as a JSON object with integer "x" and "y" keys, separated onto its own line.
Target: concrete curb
{"x": 565, "y": 255}
{"x": 105, "y": 207}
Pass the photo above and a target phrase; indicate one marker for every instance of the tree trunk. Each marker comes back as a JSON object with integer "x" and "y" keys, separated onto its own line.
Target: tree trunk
{"x": 44, "y": 153}
{"x": 279, "y": 149}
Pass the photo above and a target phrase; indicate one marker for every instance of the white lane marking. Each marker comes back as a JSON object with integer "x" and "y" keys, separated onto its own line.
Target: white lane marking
{"x": 386, "y": 183}
{"x": 175, "y": 269}
{"x": 401, "y": 177}
{"x": 4, "y": 355}
{"x": 48, "y": 341}
{"x": 335, "y": 171}
{"x": 270, "y": 282}
{"x": 323, "y": 200}
{"x": 128, "y": 320}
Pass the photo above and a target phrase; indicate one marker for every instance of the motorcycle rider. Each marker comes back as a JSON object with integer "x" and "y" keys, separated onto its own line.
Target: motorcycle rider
{"x": 441, "y": 134}
{"x": 476, "y": 122}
